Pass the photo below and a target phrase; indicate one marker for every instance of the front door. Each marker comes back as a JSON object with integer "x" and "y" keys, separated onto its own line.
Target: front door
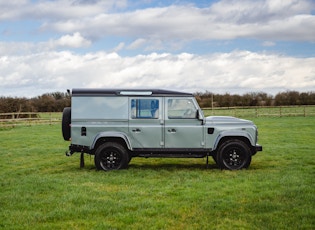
{"x": 183, "y": 129}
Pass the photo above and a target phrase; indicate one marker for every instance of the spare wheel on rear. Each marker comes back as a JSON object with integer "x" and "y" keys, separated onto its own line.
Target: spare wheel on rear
{"x": 66, "y": 121}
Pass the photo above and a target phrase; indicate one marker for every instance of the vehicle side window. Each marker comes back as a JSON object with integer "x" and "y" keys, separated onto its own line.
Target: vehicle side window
{"x": 181, "y": 108}
{"x": 145, "y": 108}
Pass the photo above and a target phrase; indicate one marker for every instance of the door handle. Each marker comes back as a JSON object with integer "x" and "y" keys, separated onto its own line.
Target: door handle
{"x": 136, "y": 130}
{"x": 171, "y": 130}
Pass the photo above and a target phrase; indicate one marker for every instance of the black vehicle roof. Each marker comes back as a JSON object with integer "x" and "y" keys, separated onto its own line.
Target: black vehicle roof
{"x": 126, "y": 92}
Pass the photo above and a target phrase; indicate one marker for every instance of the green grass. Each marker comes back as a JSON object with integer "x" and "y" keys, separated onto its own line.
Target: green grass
{"x": 41, "y": 188}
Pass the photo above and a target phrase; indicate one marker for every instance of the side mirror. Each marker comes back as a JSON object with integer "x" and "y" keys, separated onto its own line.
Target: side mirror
{"x": 199, "y": 116}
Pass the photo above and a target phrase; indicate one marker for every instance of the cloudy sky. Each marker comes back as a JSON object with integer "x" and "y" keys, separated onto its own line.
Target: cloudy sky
{"x": 221, "y": 46}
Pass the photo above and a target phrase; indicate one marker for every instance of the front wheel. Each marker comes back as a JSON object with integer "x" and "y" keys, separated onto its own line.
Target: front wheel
{"x": 234, "y": 154}
{"x": 111, "y": 156}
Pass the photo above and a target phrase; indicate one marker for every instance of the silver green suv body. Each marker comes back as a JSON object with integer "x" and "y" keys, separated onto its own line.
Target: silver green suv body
{"x": 116, "y": 125}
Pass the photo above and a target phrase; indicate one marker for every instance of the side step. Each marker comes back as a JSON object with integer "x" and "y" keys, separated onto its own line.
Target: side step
{"x": 172, "y": 155}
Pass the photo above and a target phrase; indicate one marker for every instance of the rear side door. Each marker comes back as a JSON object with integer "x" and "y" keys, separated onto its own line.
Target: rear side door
{"x": 146, "y": 122}
{"x": 183, "y": 129}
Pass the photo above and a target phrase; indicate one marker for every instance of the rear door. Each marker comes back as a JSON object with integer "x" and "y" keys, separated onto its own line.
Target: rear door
{"x": 146, "y": 122}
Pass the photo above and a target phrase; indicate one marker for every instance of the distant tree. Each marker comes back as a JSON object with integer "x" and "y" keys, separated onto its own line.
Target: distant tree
{"x": 44, "y": 103}
{"x": 238, "y": 100}
{"x": 226, "y": 100}
{"x": 288, "y": 98}
{"x": 311, "y": 98}
{"x": 249, "y": 99}
{"x": 307, "y": 98}
{"x": 10, "y": 104}
{"x": 257, "y": 99}
{"x": 204, "y": 99}
{"x": 294, "y": 98}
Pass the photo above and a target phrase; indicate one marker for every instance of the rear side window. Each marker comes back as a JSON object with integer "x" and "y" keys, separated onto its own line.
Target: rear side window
{"x": 99, "y": 108}
{"x": 145, "y": 108}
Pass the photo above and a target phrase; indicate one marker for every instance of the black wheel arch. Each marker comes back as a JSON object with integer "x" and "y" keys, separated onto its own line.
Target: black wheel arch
{"x": 241, "y": 138}
{"x": 103, "y": 140}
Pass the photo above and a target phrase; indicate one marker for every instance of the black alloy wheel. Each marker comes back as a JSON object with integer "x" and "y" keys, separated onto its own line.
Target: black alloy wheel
{"x": 234, "y": 154}
{"x": 111, "y": 156}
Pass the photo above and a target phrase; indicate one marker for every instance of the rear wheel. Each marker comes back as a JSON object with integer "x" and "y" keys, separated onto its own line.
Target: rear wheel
{"x": 111, "y": 156}
{"x": 234, "y": 154}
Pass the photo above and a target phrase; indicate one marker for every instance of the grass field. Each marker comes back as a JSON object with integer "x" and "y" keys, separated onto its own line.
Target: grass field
{"x": 40, "y": 188}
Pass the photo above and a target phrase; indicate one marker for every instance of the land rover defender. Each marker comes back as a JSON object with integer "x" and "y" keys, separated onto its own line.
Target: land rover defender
{"x": 116, "y": 125}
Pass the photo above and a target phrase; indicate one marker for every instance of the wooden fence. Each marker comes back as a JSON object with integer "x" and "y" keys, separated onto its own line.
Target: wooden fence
{"x": 276, "y": 111}
{"x": 31, "y": 118}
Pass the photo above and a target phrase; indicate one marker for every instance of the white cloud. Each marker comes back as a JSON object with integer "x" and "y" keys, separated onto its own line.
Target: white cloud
{"x": 67, "y": 41}
{"x": 173, "y": 26}
{"x": 236, "y": 72}
{"x": 223, "y": 20}
{"x": 57, "y": 9}
{"x": 119, "y": 47}
{"x": 268, "y": 43}
{"x": 137, "y": 43}
{"x": 8, "y": 9}
{"x": 72, "y": 41}
{"x": 259, "y": 11}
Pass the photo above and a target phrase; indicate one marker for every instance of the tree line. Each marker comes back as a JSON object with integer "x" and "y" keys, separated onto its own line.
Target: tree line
{"x": 49, "y": 102}
{"x": 287, "y": 98}
{"x": 55, "y": 102}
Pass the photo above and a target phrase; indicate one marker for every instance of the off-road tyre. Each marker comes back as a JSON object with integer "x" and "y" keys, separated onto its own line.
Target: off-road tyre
{"x": 111, "y": 156}
{"x": 234, "y": 154}
{"x": 66, "y": 121}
